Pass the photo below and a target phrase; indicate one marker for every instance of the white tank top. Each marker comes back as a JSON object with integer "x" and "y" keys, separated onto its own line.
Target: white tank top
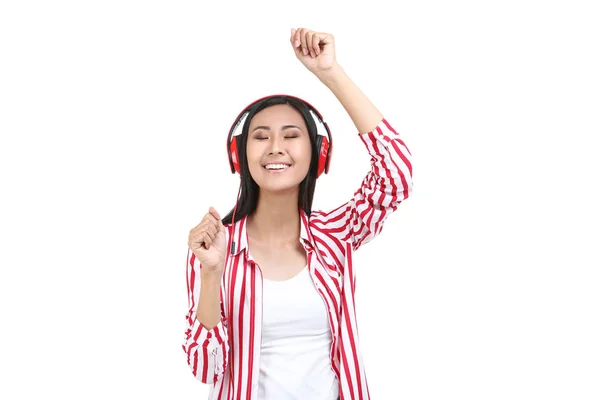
{"x": 296, "y": 342}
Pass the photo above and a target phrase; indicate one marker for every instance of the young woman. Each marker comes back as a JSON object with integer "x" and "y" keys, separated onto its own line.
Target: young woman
{"x": 271, "y": 286}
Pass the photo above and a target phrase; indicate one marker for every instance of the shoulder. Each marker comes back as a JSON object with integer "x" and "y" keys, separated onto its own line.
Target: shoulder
{"x": 329, "y": 229}
{"x": 330, "y": 220}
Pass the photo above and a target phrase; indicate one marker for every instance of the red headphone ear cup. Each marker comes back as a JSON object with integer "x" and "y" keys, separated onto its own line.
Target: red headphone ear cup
{"x": 323, "y": 151}
{"x": 234, "y": 159}
{"x": 328, "y": 158}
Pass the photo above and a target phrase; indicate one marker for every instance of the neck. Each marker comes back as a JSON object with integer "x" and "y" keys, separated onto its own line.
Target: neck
{"x": 276, "y": 219}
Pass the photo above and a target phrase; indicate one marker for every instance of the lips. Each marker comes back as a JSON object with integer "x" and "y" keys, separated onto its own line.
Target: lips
{"x": 276, "y": 166}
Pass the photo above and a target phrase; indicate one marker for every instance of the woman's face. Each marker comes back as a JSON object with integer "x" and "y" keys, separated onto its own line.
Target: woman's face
{"x": 278, "y": 148}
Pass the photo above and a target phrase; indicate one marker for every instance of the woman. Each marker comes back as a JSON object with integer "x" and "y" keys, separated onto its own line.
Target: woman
{"x": 271, "y": 286}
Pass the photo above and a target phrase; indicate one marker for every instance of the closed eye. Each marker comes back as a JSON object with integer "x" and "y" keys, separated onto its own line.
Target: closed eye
{"x": 285, "y": 137}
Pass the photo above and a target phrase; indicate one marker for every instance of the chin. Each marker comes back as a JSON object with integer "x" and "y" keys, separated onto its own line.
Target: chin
{"x": 278, "y": 182}
{"x": 279, "y": 187}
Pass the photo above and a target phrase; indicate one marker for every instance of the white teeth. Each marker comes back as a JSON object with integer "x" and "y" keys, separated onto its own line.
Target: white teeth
{"x": 276, "y": 166}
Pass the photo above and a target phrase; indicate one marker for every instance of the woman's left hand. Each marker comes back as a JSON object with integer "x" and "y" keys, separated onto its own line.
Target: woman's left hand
{"x": 315, "y": 50}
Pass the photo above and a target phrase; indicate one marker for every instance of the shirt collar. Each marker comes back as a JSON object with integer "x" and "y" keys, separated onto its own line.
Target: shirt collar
{"x": 240, "y": 234}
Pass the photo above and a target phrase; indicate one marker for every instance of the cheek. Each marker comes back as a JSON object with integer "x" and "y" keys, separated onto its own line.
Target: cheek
{"x": 252, "y": 158}
{"x": 302, "y": 156}
{"x": 253, "y": 153}
{"x": 307, "y": 152}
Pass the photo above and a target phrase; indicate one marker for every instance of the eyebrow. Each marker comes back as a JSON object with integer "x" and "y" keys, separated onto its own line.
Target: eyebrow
{"x": 268, "y": 128}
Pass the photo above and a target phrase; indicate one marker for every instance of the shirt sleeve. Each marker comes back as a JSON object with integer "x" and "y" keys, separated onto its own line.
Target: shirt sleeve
{"x": 385, "y": 186}
{"x": 206, "y": 350}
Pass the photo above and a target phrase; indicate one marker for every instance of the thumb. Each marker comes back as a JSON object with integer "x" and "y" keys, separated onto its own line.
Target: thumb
{"x": 215, "y": 214}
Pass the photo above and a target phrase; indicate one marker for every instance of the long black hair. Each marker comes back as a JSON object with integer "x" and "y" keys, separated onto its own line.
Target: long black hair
{"x": 248, "y": 199}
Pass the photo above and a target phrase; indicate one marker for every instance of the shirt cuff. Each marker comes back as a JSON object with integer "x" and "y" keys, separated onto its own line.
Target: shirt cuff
{"x": 382, "y": 132}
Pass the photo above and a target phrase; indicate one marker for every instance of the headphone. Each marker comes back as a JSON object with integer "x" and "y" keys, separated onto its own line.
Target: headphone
{"x": 324, "y": 143}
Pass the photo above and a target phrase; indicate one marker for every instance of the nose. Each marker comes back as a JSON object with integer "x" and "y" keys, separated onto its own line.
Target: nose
{"x": 275, "y": 145}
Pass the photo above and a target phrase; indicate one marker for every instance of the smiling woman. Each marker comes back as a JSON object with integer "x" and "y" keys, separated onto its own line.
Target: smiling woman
{"x": 271, "y": 286}
{"x": 297, "y": 124}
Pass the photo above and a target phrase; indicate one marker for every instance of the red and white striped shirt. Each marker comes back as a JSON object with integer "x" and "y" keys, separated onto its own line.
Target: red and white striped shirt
{"x": 228, "y": 355}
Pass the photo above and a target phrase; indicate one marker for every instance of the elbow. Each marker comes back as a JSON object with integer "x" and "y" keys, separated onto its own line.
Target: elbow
{"x": 403, "y": 184}
{"x": 408, "y": 188}
{"x": 209, "y": 375}
{"x": 396, "y": 190}
{"x": 208, "y": 379}
{"x": 207, "y": 366}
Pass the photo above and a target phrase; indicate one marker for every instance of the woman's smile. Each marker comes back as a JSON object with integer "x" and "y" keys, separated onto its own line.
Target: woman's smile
{"x": 278, "y": 168}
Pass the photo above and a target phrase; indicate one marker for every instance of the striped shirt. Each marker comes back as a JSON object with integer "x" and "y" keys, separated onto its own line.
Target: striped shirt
{"x": 228, "y": 355}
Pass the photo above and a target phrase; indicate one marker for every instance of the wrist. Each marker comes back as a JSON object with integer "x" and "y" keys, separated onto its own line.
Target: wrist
{"x": 332, "y": 76}
{"x": 211, "y": 276}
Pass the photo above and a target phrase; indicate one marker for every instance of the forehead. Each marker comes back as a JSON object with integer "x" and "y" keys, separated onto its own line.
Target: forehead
{"x": 279, "y": 114}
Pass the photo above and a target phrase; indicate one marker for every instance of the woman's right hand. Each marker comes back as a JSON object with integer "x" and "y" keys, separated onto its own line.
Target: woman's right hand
{"x": 207, "y": 242}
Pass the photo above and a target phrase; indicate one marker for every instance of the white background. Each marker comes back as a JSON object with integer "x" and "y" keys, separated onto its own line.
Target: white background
{"x": 114, "y": 115}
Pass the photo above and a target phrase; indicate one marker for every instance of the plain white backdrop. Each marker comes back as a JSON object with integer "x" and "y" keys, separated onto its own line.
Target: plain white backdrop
{"x": 113, "y": 122}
